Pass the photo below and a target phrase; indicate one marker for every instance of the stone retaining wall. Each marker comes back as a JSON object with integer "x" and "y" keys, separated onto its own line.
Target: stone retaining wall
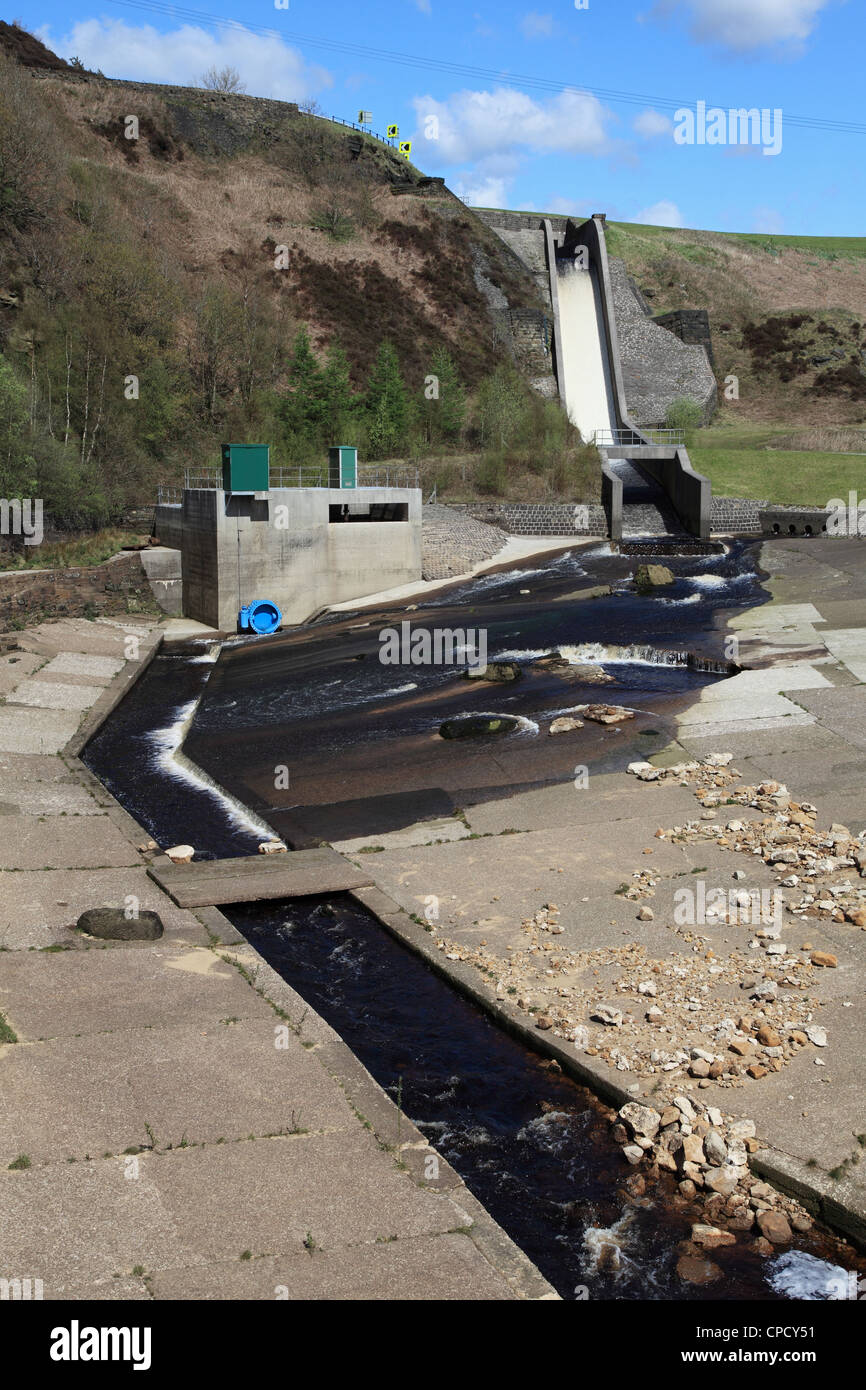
{"x": 118, "y": 587}
{"x": 452, "y": 544}
{"x": 657, "y": 368}
{"x": 735, "y": 515}
{"x": 539, "y": 518}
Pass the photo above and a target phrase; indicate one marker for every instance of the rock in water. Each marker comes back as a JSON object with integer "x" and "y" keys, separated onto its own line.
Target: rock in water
{"x": 774, "y": 1226}
{"x": 710, "y": 1236}
{"x": 564, "y": 724}
{"x": 180, "y": 854}
{"x": 500, "y": 672}
{"x": 477, "y": 725}
{"x": 697, "y": 1271}
{"x": 112, "y": 924}
{"x": 653, "y": 576}
{"x": 641, "y": 1119}
{"x": 608, "y": 714}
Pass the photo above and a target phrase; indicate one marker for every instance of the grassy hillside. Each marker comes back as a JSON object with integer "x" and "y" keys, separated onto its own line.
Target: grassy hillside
{"x": 240, "y": 270}
{"x": 787, "y": 314}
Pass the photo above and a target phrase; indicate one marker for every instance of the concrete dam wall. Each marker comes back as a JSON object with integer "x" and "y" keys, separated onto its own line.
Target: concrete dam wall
{"x": 303, "y": 548}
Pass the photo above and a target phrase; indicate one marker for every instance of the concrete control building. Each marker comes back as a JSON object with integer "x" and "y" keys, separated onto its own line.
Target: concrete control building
{"x": 301, "y": 547}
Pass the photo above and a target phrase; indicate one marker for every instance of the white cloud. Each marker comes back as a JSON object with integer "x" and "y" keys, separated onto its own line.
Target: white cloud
{"x": 267, "y": 66}
{"x": 477, "y": 125}
{"x": 424, "y": 6}
{"x": 482, "y": 192}
{"x": 650, "y": 124}
{"x": 767, "y": 220}
{"x": 661, "y": 214}
{"x": 537, "y": 26}
{"x": 566, "y": 207}
{"x": 745, "y": 25}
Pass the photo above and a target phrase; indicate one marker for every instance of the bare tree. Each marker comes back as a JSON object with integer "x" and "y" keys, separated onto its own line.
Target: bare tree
{"x": 226, "y": 79}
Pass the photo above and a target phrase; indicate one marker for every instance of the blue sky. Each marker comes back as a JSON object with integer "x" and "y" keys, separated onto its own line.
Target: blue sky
{"x": 550, "y": 143}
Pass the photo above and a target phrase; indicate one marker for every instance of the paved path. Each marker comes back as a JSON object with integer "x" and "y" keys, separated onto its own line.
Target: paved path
{"x": 175, "y": 1122}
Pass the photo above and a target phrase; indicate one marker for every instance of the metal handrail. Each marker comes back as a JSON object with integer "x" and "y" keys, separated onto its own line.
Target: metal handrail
{"x": 390, "y": 140}
{"x": 637, "y": 438}
{"x": 302, "y": 475}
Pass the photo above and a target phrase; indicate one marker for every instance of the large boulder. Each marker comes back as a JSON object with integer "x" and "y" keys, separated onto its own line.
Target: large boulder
{"x": 653, "y": 576}
{"x": 112, "y": 924}
{"x": 587, "y": 672}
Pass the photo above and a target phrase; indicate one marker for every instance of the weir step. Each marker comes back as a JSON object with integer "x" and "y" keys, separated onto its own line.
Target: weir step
{"x": 252, "y": 878}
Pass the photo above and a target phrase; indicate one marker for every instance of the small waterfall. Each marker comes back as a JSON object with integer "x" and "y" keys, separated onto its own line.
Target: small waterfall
{"x": 640, "y": 654}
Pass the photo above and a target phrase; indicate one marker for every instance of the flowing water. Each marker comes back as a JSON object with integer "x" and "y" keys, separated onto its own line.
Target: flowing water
{"x": 585, "y": 369}
{"x": 530, "y": 1143}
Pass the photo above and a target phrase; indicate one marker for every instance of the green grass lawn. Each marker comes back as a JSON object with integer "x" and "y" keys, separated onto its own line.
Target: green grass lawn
{"x": 783, "y": 475}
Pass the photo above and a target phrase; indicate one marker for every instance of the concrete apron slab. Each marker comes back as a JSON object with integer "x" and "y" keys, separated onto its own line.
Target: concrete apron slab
{"x": 255, "y": 1172}
{"x": 825, "y": 1120}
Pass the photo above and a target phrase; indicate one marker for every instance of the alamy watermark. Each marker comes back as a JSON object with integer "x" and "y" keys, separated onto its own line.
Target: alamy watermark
{"x": 21, "y": 1290}
{"x": 439, "y": 646}
{"x": 22, "y": 517}
{"x": 695, "y": 907}
{"x": 846, "y": 519}
{"x": 715, "y": 125}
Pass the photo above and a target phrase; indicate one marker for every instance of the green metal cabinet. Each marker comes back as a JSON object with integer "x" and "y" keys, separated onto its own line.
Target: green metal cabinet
{"x": 246, "y": 467}
{"x": 343, "y": 465}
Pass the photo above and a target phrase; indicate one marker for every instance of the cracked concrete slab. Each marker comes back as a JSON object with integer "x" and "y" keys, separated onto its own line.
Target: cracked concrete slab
{"x": 54, "y": 695}
{"x": 50, "y": 1110}
{"x": 393, "y": 1271}
{"x": 24, "y": 730}
{"x": 71, "y": 993}
{"x": 99, "y": 669}
{"x": 106, "y": 1029}
{"x": 69, "y": 842}
{"x": 37, "y": 908}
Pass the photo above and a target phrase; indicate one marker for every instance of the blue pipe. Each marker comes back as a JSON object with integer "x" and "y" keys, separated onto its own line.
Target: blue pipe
{"x": 261, "y": 616}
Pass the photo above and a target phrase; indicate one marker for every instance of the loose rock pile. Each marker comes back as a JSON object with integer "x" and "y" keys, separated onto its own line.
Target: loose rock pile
{"x": 668, "y": 1019}
{"x": 709, "y": 1154}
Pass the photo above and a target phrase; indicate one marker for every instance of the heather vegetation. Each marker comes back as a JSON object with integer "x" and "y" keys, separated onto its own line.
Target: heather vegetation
{"x": 143, "y": 319}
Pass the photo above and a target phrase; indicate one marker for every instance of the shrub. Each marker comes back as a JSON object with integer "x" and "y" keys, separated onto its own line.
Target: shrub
{"x": 686, "y": 415}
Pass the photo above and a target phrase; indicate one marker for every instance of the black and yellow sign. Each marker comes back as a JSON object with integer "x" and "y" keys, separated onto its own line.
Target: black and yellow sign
{"x": 393, "y": 131}
{"x": 405, "y": 147}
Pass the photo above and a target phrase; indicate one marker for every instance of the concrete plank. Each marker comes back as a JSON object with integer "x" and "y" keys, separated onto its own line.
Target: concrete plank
{"x": 302, "y": 873}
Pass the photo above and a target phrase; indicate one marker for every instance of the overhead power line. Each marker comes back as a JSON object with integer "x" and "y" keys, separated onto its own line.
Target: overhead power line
{"x": 466, "y": 70}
